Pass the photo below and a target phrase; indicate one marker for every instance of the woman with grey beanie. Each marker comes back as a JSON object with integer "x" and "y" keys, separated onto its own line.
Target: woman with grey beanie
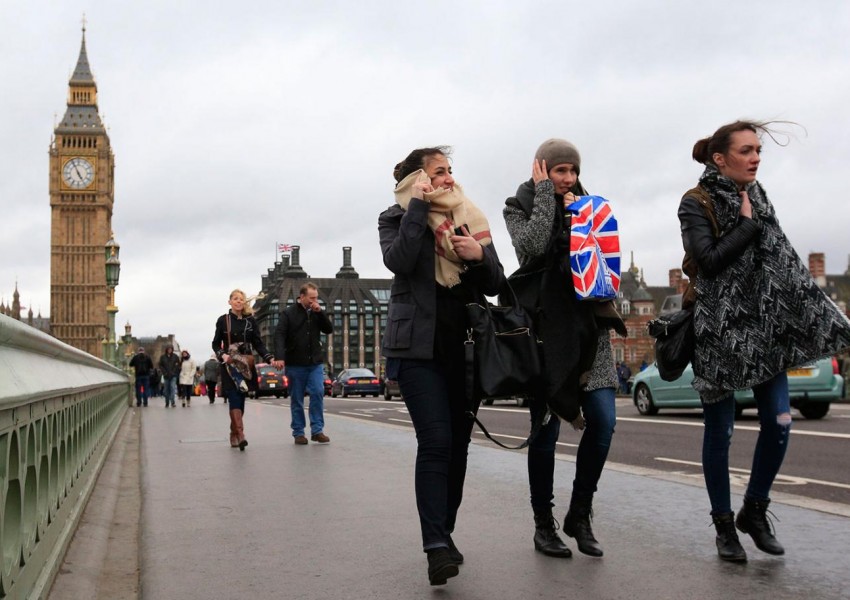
{"x": 579, "y": 380}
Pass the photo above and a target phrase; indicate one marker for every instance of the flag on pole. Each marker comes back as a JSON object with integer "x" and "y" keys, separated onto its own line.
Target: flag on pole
{"x": 284, "y": 248}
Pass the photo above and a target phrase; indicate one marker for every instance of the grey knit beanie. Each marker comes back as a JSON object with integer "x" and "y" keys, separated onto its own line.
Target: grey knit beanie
{"x": 556, "y": 151}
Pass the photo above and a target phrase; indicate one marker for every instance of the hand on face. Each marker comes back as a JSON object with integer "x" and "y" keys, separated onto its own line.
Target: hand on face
{"x": 538, "y": 171}
{"x": 420, "y": 188}
{"x": 466, "y": 246}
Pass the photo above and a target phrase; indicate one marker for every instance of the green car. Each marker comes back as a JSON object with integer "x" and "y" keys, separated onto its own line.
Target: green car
{"x": 812, "y": 387}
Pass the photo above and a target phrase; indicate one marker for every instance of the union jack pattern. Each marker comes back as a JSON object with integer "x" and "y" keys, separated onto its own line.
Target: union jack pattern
{"x": 284, "y": 248}
{"x": 594, "y": 249}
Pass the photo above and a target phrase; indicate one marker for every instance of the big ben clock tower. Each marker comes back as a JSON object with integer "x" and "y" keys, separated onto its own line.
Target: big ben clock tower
{"x": 81, "y": 196}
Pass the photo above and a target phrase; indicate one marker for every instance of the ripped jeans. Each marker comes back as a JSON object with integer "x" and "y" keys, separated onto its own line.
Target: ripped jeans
{"x": 774, "y": 410}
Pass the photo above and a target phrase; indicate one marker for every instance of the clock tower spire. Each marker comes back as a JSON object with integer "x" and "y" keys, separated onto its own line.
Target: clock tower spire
{"x": 81, "y": 184}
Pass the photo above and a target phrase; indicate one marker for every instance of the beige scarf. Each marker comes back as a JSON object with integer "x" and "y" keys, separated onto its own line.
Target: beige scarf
{"x": 449, "y": 209}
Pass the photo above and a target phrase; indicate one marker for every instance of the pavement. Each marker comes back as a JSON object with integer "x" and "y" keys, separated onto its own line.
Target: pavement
{"x": 339, "y": 521}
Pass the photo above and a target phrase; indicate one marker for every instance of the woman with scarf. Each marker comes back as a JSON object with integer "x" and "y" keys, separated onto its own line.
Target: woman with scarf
{"x": 186, "y": 380}
{"x": 579, "y": 379}
{"x": 757, "y": 313}
{"x": 236, "y": 338}
{"x": 437, "y": 244}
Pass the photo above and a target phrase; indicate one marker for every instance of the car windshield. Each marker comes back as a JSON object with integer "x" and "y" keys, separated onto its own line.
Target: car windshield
{"x": 360, "y": 373}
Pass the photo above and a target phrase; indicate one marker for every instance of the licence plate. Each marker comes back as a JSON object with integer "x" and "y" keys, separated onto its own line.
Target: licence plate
{"x": 800, "y": 372}
{"x": 271, "y": 385}
{"x": 364, "y": 381}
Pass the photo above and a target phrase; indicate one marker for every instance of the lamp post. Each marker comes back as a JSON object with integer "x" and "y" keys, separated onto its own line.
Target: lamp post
{"x": 113, "y": 271}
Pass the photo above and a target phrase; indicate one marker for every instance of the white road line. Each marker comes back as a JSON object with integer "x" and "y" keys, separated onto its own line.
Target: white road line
{"x": 354, "y": 414}
{"x": 516, "y": 437}
{"x": 784, "y": 478}
{"x": 652, "y": 420}
{"x": 401, "y": 421}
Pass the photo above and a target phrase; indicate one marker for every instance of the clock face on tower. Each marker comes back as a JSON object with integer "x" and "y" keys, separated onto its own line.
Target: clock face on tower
{"x": 78, "y": 173}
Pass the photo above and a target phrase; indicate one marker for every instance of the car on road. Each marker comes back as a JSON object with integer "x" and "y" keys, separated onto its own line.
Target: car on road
{"x": 271, "y": 382}
{"x": 327, "y": 381}
{"x": 812, "y": 388}
{"x": 518, "y": 400}
{"x": 352, "y": 382}
{"x": 391, "y": 389}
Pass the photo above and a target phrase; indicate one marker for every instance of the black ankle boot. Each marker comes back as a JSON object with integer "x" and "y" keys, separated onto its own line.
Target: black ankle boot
{"x": 454, "y": 553}
{"x": 440, "y": 566}
{"x": 753, "y": 519}
{"x": 728, "y": 546}
{"x": 577, "y": 525}
{"x": 546, "y": 538}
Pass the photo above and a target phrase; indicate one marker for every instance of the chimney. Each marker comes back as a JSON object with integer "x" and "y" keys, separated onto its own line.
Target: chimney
{"x": 674, "y": 276}
{"x": 294, "y": 271}
{"x": 347, "y": 271}
{"x": 817, "y": 267}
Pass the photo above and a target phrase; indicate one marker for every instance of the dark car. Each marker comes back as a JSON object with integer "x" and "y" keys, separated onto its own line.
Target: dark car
{"x": 327, "y": 381}
{"x": 356, "y": 381}
{"x": 271, "y": 382}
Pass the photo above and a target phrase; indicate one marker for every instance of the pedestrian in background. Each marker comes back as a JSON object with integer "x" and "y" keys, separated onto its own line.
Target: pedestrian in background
{"x": 169, "y": 365}
{"x": 757, "y": 313}
{"x": 437, "y": 244}
{"x": 142, "y": 365}
{"x": 298, "y": 344}
{"x": 236, "y": 332}
{"x": 211, "y": 376}
{"x": 187, "y": 378}
{"x": 579, "y": 373}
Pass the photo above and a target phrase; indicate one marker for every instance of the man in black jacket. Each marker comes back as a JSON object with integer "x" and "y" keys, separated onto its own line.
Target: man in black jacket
{"x": 143, "y": 365}
{"x": 298, "y": 343}
{"x": 169, "y": 364}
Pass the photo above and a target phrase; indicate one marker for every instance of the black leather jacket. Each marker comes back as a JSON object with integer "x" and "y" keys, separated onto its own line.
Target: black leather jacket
{"x": 713, "y": 254}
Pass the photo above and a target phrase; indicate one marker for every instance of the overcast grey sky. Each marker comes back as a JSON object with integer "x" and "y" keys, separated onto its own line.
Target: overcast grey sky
{"x": 239, "y": 125}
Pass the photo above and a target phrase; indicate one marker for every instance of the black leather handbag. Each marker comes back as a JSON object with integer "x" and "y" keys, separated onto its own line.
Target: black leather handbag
{"x": 674, "y": 343}
{"x": 502, "y": 351}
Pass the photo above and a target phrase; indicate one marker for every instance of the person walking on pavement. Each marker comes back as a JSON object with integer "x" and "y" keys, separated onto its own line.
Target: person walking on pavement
{"x": 757, "y": 312}
{"x": 236, "y": 332}
{"x": 143, "y": 365}
{"x": 437, "y": 244}
{"x": 298, "y": 344}
{"x": 169, "y": 364}
{"x": 624, "y": 373}
{"x": 187, "y": 378}
{"x": 211, "y": 376}
{"x": 580, "y": 378}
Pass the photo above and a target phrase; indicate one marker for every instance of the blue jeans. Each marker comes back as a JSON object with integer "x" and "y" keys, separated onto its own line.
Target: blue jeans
{"x": 170, "y": 389}
{"x": 600, "y": 415}
{"x": 436, "y": 401}
{"x": 143, "y": 392}
{"x": 309, "y": 379}
{"x": 774, "y": 409}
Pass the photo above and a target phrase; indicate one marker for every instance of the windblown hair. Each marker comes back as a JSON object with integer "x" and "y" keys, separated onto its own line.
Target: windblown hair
{"x": 721, "y": 139}
{"x": 247, "y": 311}
{"x": 416, "y": 160}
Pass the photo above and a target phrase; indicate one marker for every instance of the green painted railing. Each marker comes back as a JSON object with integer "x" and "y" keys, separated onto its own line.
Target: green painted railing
{"x": 59, "y": 411}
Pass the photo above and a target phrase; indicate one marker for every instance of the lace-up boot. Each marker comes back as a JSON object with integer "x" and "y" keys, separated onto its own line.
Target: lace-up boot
{"x": 753, "y": 519}
{"x": 577, "y": 525}
{"x": 728, "y": 546}
{"x": 546, "y": 539}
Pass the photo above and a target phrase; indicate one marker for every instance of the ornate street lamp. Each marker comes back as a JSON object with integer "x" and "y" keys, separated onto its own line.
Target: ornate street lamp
{"x": 113, "y": 271}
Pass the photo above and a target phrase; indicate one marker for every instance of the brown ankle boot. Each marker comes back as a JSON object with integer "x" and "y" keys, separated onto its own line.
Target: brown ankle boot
{"x": 234, "y": 431}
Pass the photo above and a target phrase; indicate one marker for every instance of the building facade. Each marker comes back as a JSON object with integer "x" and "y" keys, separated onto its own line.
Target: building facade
{"x": 81, "y": 184}
{"x": 357, "y": 308}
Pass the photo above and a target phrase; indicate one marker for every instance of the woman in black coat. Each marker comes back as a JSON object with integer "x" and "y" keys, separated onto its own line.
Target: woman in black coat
{"x": 437, "y": 244}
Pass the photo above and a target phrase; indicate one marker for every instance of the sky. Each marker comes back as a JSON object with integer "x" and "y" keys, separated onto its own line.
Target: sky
{"x": 237, "y": 126}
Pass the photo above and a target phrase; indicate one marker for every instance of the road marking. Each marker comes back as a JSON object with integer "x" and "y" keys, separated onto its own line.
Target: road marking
{"x": 400, "y": 420}
{"x": 354, "y": 414}
{"x": 842, "y": 436}
{"x": 515, "y": 437}
{"x": 788, "y": 479}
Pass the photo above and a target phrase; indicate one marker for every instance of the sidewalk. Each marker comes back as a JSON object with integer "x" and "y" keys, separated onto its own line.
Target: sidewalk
{"x": 339, "y": 522}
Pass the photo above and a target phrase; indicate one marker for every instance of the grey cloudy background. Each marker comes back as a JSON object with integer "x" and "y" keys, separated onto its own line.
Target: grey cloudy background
{"x": 239, "y": 125}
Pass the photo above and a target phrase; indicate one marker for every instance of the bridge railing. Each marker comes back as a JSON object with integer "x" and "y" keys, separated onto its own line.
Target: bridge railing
{"x": 59, "y": 411}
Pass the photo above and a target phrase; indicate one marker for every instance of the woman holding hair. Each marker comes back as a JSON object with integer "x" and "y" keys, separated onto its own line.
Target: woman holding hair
{"x": 757, "y": 312}
{"x": 579, "y": 378}
{"x": 437, "y": 244}
{"x": 236, "y": 333}
{"x": 186, "y": 378}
